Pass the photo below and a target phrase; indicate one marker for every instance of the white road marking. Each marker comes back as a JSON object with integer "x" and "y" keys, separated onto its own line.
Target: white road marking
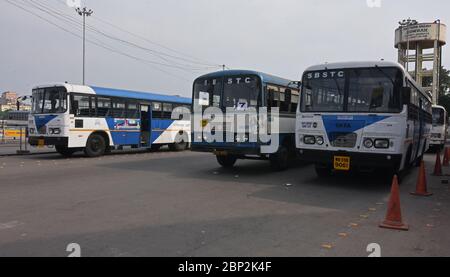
{"x": 9, "y": 225}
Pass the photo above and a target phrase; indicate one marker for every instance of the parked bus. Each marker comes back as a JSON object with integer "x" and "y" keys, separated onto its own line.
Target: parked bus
{"x": 96, "y": 120}
{"x": 362, "y": 116}
{"x": 440, "y": 127}
{"x": 239, "y": 90}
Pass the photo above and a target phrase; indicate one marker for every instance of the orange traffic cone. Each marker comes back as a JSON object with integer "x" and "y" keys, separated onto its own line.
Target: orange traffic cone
{"x": 394, "y": 214}
{"x": 446, "y": 161}
{"x": 421, "y": 188}
{"x": 438, "y": 165}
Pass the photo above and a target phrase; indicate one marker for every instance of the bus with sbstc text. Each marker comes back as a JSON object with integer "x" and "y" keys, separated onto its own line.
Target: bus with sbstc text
{"x": 362, "y": 116}
{"x": 97, "y": 120}
{"x": 235, "y": 92}
{"x": 440, "y": 128}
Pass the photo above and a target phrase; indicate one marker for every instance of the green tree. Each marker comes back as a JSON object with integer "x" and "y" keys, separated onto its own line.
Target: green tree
{"x": 444, "y": 89}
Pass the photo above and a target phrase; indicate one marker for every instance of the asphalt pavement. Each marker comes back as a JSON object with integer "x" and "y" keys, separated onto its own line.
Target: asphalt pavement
{"x": 185, "y": 205}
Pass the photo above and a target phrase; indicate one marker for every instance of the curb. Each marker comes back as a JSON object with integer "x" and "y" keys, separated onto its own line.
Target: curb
{"x": 30, "y": 154}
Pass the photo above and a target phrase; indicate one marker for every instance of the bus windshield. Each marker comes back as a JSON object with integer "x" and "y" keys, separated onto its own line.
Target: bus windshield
{"x": 49, "y": 100}
{"x": 240, "y": 92}
{"x": 358, "y": 90}
{"x": 438, "y": 116}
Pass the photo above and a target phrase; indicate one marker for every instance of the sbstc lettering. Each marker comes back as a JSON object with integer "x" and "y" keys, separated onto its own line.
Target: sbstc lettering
{"x": 325, "y": 75}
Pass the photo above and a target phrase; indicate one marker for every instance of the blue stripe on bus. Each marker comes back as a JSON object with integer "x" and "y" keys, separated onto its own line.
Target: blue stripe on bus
{"x": 126, "y": 137}
{"x": 348, "y": 123}
{"x": 42, "y": 120}
{"x": 159, "y": 126}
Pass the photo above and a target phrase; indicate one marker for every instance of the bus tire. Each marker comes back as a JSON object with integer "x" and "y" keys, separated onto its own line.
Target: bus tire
{"x": 280, "y": 160}
{"x": 181, "y": 143}
{"x": 95, "y": 146}
{"x": 322, "y": 171}
{"x": 65, "y": 151}
{"x": 227, "y": 161}
{"x": 407, "y": 163}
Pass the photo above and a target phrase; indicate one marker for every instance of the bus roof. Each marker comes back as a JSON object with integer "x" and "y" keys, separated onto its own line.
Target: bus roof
{"x": 266, "y": 78}
{"x": 141, "y": 95}
{"x": 343, "y": 65}
{"x": 120, "y": 93}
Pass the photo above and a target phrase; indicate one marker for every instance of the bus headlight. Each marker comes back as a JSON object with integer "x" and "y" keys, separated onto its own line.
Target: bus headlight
{"x": 320, "y": 140}
{"x": 55, "y": 131}
{"x": 309, "y": 140}
{"x": 368, "y": 143}
{"x": 382, "y": 143}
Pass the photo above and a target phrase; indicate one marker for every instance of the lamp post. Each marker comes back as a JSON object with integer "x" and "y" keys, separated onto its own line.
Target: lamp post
{"x": 84, "y": 12}
{"x": 407, "y": 23}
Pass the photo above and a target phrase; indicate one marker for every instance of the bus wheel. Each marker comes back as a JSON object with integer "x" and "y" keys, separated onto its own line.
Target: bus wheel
{"x": 280, "y": 160}
{"x": 65, "y": 151}
{"x": 226, "y": 161}
{"x": 95, "y": 146}
{"x": 323, "y": 171}
{"x": 181, "y": 144}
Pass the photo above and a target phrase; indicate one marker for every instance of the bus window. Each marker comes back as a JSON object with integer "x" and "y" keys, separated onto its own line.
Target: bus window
{"x": 273, "y": 96}
{"x": 167, "y": 110}
{"x": 119, "y": 108}
{"x": 295, "y": 101}
{"x": 156, "y": 110}
{"x": 103, "y": 107}
{"x": 132, "y": 110}
{"x": 81, "y": 105}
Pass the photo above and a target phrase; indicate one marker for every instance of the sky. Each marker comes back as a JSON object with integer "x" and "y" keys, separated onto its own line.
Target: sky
{"x": 168, "y": 43}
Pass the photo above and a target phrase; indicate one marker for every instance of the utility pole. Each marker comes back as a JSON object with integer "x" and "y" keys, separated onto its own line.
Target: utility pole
{"x": 84, "y": 12}
{"x": 407, "y": 23}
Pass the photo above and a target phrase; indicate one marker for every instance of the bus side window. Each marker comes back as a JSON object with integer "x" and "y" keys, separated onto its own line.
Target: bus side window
{"x": 132, "y": 110}
{"x": 118, "y": 108}
{"x": 103, "y": 107}
{"x": 167, "y": 110}
{"x": 156, "y": 110}
{"x": 285, "y": 100}
{"x": 295, "y": 100}
{"x": 273, "y": 96}
{"x": 81, "y": 106}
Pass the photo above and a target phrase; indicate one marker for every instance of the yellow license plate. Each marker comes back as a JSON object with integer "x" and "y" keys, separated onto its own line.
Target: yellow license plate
{"x": 342, "y": 163}
{"x": 221, "y": 153}
{"x": 41, "y": 143}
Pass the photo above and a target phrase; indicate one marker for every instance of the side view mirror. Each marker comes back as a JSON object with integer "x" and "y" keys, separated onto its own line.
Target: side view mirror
{"x": 406, "y": 95}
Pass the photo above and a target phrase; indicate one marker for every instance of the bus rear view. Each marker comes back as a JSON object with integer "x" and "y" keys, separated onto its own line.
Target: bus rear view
{"x": 362, "y": 116}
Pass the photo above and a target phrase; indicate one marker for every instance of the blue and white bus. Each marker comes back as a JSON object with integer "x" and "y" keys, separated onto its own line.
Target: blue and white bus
{"x": 96, "y": 120}
{"x": 362, "y": 116}
{"x": 440, "y": 128}
{"x": 240, "y": 90}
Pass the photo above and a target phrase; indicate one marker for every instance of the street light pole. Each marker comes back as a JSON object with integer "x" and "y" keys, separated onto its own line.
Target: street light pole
{"x": 84, "y": 12}
{"x": 407, "y": 23}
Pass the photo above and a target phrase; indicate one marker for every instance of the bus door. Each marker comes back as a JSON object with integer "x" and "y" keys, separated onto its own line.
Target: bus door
{"x": 145, "y": 125}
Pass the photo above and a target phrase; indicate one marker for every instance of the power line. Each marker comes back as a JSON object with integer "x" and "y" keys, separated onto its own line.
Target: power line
{"x": 192, "y": 60}
{"x": 150, "y": 63}
{"x": 68, "y": 19}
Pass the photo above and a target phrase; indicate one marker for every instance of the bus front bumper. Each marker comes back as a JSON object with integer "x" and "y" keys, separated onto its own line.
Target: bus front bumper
{"x": 360, "y": 161}
{"x": 227, "y": 149}
{"x": 48, "y": 141}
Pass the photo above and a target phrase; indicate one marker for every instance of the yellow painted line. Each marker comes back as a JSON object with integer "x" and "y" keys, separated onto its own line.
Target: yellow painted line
{"x": 327, "y": 246}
